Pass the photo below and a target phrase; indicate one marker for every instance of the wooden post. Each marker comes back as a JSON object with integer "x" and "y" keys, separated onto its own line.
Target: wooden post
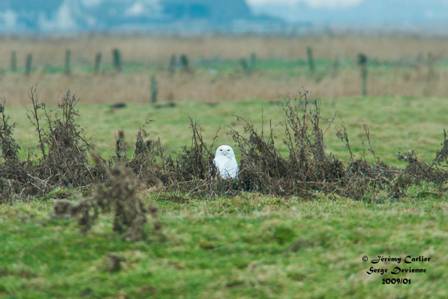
{"x": 154, "y": 90}
{"x": 245, "y": 66}
{"x": 28, "y": 64}
{"x": 116, "y": 53}
{"x": 310, "y": 58}
{"x": 13, "y": 61}
{"x": 431, "y": 61}
{"x": 253, "y": 61}
{"x": 185, "y": 63}
{"x": 362, "y": 62}
{"x": 173, "y": 65}
{"x": 98, "y": 58}
{"x": 67, "y": 66}
{"x": 336, "y": 66}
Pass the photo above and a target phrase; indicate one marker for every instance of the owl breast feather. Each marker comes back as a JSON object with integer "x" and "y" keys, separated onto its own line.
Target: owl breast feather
{"x": 228, "y": 168}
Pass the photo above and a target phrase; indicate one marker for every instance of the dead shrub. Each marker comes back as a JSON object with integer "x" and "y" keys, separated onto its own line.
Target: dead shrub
{"x": 361, "y": 178}
{"x": 15, "y": 177}
{"x": 442, "y": 155}
{"x": 261, "y": 166}
{"x": 121, "y": 147}
{"x": 195, "y": 162}
{"x": 9, "y": 146}
{"x": 306, "y": 168}
{"x": 64, "y": 152}
{"x": 117, "y": 196}
{"x": 417, "y": 172}
{"x": 193, "y": 171}
{"x": 305, "y": 141}
{"x": 66, "y": 161}
{"x": 149, "y": 160}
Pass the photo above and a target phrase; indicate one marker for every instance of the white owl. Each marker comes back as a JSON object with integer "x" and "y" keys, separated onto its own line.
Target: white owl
{"x": 226, "y": 163}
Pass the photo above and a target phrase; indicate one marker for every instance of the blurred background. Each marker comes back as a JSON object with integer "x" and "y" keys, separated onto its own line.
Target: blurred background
{"x": 171, "y": 50}
{"x": 231, "y": 16}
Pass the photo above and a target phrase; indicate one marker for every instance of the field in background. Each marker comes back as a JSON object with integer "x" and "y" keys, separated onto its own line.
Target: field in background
{"x": 402, "y": 66}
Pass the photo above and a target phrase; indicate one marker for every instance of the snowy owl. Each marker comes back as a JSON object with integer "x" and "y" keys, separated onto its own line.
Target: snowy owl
{"x": 225, "y": 162}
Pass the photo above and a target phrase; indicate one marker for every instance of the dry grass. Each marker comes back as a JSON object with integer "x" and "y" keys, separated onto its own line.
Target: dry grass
{"x": 147, "y": 49}
{"x": 410, "y": 74}
{"x": 135, "y": 88}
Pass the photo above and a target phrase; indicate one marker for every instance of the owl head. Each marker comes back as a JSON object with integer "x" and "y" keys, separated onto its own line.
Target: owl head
{"x": 225, "y": 151}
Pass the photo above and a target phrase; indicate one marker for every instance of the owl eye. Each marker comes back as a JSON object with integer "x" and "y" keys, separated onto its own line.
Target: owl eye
{"x": 220, "y": 150}
{"x": 228, "y": 150}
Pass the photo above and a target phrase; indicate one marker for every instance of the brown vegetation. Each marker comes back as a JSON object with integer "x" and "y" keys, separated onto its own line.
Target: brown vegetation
{"x": 416, "y": 69}
{"x": 112, "y": 187}
{"x": 156, "y": 49}
{"x": 307, "y": 167}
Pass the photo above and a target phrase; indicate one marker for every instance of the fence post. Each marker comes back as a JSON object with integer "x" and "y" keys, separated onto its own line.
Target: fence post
{"x": 13, "y": 61}
{"x": 253, "y": 61}
{"x": 154, "y": 90}
{"x": 310, "y": 58}
{"x": 336, "y": 66}
{"x": 67, "y": 66}
{"x": 245, "y": 66}
{"x": 28, "y": 64}
{"x": 431, "y": 61}
{"x": 116, "y": 53}
{"x": 173, "y": 65}
{"x": 98, "y": 58}
{"x": 362, "y": 62}
{"x": 185, "y": 63}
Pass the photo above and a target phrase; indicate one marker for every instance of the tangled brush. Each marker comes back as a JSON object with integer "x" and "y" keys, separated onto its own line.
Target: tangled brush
{"x": 118, "y": 197}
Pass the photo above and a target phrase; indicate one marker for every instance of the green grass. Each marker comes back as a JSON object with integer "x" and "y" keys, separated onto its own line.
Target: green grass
{"x": 273, "y": 66}
{"x": 397, "y": 124}
{"x": 250, "y": 246}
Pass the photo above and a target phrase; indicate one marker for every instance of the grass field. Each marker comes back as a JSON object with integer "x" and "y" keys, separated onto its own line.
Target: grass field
{"x": 397, "y": 124}
{"x": 244, "y": 247}
{"x": 249, "y": 246}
